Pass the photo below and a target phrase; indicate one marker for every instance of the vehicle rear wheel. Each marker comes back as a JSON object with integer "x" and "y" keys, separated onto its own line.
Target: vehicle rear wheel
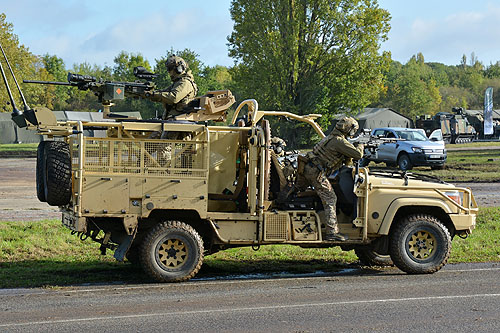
{"x": 370, "y": 257}
{"x": 404, "y": 162}
{"x": 56, "y": 168}
{"x": 420, "y": 244}
{"x": 172, "y": 252}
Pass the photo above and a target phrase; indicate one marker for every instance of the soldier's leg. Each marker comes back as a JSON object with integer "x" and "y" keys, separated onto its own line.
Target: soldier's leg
{"x": 327, "y": 195}
{"x": 329, "y": 200}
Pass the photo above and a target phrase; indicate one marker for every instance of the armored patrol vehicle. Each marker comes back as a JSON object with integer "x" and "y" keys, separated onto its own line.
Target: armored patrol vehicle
{"x": 166, "y": 203}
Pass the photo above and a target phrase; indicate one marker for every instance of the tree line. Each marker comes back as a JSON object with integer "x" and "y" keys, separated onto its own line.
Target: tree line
{"x": 300, "y": 56}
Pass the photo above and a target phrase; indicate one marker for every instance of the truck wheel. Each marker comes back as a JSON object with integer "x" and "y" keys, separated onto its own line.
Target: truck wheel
{"x": 56, "y": 168}
{"x": 420, "y": 244}
{"x": 40, "y": 179}
{"x": 404, "y": 162}
{"x": 369, "y": 257}
{"x": 172, "y": 252}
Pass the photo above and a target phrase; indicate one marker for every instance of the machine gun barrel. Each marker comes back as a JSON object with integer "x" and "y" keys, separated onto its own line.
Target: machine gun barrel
{"x": 108, "y": 91}
{"x": 49, "y": 82}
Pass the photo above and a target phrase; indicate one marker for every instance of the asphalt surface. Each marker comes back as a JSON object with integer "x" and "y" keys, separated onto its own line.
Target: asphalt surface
{"x": 459, "y": 298}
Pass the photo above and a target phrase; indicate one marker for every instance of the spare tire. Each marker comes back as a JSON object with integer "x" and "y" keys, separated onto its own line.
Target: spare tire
{"x": 57, "y": 173}
{"x": 40, "y": 179}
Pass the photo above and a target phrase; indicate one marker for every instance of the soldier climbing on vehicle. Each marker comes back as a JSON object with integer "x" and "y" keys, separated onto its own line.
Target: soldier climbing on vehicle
{"x": 327, "y": 156}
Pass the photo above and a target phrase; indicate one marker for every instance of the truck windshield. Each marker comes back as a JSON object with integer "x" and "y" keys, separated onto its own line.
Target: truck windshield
{"x": 411, "y": 135}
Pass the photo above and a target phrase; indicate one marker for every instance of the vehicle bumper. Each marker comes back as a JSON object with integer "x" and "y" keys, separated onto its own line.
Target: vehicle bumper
{"x": 465, "y": 223}
{"x": 418, "y": 159}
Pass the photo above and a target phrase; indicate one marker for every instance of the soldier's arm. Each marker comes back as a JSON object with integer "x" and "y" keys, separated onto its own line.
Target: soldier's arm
{"x": 349, "y": 150}
{"x": 174, "y": 94}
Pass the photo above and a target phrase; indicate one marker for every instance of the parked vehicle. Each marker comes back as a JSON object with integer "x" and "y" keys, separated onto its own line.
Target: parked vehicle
{"x": 409, "y": 148}
{"x": 455, "y": 126}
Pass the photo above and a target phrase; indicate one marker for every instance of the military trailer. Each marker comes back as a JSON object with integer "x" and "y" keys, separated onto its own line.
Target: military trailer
{"x": 166, "y": 203}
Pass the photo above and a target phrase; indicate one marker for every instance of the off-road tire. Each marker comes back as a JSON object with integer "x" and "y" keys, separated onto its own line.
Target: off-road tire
{"x": 159, "y": 255}
{"x": 404, "y": 162}
{"x": 420, "y": 244}
{"x": 57, "y": 173}
{"x": 40, "y": 178}
{"x": 369, "y": 257}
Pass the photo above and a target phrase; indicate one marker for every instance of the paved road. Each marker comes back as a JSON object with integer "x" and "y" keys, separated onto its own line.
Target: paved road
{"x": 459, "y": 298}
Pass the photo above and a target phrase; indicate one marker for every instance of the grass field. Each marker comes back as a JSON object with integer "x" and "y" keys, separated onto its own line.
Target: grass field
{"x": 468, "y": 166}
{"x": 22, "y": 147}
{"x": 45, "y": 254}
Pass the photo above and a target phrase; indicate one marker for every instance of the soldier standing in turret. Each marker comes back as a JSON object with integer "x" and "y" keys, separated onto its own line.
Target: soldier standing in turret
{"x": 182, "y": 90}
{"x": 327, "y": 156}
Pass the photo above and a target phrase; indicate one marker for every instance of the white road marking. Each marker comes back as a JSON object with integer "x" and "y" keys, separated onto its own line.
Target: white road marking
{"x": 258, "y": 308}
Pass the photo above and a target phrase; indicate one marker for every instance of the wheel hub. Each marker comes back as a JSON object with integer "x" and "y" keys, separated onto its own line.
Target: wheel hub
{"x": 422, "y": 245}
{"x": 172, "y": 253}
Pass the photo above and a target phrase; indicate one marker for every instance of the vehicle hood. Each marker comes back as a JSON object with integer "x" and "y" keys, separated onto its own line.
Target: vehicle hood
{"x": 426, "y": 144}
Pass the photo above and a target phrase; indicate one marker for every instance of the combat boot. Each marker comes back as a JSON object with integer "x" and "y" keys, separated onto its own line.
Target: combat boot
{"x": 336, "y": 237}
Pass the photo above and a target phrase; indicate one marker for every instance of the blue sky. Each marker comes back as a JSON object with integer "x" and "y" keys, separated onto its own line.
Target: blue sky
{"x": 95, "y": 31}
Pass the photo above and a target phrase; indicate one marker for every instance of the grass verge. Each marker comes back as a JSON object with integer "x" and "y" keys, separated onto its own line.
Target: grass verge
{"x": 45, "y": 254}
{"x": 21, "y": 147}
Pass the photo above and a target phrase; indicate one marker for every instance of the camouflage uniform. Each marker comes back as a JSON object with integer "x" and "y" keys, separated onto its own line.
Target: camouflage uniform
{"x": 183, "y": 89}
{"x": 327, "y": 156}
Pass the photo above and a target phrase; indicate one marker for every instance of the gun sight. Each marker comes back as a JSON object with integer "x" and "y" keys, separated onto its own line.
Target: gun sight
{"x": 79, "y": 78}
{"x": 142, "y": 73}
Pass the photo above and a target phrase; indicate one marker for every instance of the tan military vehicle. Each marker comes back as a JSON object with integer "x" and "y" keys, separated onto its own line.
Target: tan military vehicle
{"x": 166, "y": 203}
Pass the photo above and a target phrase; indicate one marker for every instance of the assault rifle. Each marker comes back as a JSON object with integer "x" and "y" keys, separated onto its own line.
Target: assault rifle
{"x": 108, "y": 91}
{"x": 371, "y": 142}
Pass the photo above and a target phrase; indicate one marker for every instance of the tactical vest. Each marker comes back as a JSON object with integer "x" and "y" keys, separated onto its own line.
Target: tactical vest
{"x": 325, "y": 153}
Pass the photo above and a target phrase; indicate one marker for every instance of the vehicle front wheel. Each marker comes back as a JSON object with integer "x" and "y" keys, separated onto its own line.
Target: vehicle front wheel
{"x": 172, "y": 252}
{"x": 404, "y": 162}
{"x": 420, "y": 244}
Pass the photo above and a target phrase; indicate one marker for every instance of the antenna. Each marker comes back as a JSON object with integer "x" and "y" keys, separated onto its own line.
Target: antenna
{"x": 15, "y": 111}
{"x": 26, "y": 107}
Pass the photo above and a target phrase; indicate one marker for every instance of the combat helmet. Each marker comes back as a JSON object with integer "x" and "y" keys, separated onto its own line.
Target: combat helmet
{"x": 347, "y": 126}
{"x": 176, "y": 65}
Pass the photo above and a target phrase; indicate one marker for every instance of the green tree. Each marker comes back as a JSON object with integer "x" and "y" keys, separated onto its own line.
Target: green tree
{"x": 125, "y": 63}
{"x": 57, "y": 96}
{"x": 308, "y": 56}
{"x": 23, "y": 62}
{"x": 413, "y": 90}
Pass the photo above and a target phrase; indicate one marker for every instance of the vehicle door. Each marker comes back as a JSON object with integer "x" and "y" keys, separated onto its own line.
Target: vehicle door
{"x": 437, "y": 136}
{"x": 387, "y": 151}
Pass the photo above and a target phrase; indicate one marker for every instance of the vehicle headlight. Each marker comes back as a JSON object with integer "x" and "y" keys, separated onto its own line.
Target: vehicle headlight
{"x": 456, "y": 196}
{"x": 417, "y": 149}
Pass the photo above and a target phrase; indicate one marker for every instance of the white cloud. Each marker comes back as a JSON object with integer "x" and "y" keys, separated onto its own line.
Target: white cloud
{"x": 95, "y": 31}
{"x": 447, "y": 38}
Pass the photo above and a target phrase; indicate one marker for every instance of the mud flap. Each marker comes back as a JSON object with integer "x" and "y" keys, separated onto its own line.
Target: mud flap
{"x": 124, "y": 246}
